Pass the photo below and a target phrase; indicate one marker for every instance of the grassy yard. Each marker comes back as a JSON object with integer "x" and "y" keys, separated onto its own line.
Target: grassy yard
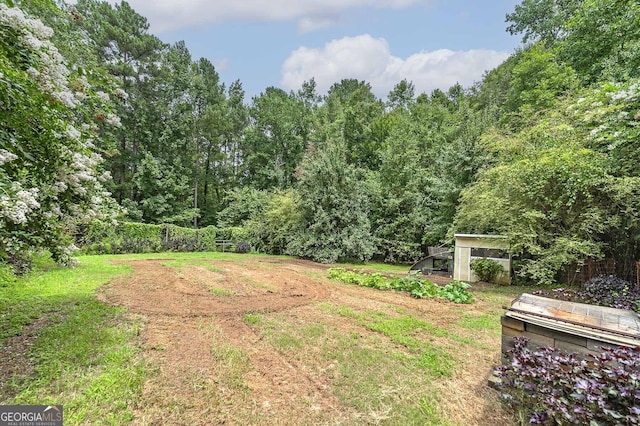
{"x": 380, "y": 357}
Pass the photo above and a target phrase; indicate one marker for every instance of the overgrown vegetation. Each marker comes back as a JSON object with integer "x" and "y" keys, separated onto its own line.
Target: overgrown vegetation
{"x": 455, "y": 291}
{"x": 603, "y": 290}
{"x": 551, "y": 387}
{"x": 128, "y": 237}
{"x": 542, "y": 149}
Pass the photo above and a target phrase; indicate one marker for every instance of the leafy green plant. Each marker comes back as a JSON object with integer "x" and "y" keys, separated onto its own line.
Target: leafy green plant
{"x": 455, "y": 291}
{"x": 486, "y": 269}
{"x": 424, "y": 289}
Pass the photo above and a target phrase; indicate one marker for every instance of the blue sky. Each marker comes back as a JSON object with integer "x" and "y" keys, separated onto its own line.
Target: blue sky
{"x": 434, "y": 43}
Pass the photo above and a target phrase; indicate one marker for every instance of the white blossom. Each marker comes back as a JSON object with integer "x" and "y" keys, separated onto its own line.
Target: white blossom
{"x": 113, "y": 120}
{"x": 80, "y": 96}
{"x": 121, "y": 94}
{"x": 59, "y": 187}
{"x": 73, "y": 133}
{"x": 104, "y": 177}
{"x": 102, "y": 96}
{"x": 622, "y": 94}
{"x": 67, "y": 98}
{"x": 18, "y": 207}
{"x": 6, "y": 156}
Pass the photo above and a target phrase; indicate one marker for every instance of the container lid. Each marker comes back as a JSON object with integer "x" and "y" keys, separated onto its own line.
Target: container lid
{"x": 617, "y": 326}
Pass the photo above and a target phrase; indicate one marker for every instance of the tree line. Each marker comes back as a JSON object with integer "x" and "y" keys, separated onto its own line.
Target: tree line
{"x": 541, "y": 149}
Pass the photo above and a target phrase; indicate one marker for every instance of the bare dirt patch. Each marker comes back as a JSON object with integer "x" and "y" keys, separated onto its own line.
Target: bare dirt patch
{"x": 211, "y": 367}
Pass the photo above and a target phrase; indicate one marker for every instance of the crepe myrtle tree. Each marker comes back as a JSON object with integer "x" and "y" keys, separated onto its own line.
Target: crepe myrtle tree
{"x": 50, "y": 122}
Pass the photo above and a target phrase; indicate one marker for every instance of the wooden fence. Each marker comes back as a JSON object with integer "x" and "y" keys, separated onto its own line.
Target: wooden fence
{"x": 225, "y": 245}
{"x": 578, "y": 274}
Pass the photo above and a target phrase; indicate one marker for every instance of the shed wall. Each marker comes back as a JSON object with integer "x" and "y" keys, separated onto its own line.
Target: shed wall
{"x": 463, "y": 256}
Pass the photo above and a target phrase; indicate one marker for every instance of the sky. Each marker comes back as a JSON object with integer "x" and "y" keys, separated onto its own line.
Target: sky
{"x": 282, "y": 43}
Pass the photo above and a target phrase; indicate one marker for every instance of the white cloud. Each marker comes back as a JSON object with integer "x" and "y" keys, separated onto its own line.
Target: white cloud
{"x": 370, "y": 59}
{"x": 164, "y": 15}
{"x": 221, "y": 64}
{"x": 308, "y": 25}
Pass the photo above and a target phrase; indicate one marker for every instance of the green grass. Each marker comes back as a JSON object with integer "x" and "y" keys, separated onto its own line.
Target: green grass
{"x": 233, "y": 364}
{"x": 480, "y": 322}
{"x": 376, "y": 374}
{"x": 85, "y": 355}
{"x": 381, "y": 387}
{"x": 375, "y": 266}
{"x": 252, "y": 319}
{"x": 406, "y": 331}
{"x": 221, "y": 292}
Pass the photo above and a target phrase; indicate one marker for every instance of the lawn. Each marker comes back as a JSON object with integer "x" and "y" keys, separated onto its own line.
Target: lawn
{"x": 207, "y": 338}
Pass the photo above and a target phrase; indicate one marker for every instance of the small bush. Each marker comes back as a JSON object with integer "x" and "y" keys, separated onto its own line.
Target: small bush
{"x": 424, "y": 289}
{"x": 20, "y": 263}
{"x": 486, "y": 269}
{"x": 243, "y": 247}
{"x": 550, "y": 387}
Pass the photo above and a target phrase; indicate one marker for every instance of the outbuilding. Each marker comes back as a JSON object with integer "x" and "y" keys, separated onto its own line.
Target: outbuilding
{"x": 476, "y": 246}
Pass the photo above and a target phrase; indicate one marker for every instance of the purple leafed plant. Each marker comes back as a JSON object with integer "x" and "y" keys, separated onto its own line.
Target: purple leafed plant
{"x": 603, "y": 290}
{"x": 551, "y": 387}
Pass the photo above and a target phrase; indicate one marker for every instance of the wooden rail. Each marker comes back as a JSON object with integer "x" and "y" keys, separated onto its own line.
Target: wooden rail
{"x": 229, "y": 245}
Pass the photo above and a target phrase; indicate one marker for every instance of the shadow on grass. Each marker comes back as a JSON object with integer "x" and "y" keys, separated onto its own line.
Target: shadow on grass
{"x": 60, "y": 345}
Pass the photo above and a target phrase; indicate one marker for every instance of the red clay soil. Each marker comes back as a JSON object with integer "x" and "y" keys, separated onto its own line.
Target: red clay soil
{"x": 191, "y": 314}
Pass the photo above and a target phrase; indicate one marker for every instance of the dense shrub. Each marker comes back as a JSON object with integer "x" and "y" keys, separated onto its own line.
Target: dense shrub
{"x": 243, "y": 247}
{"x": 486, "y": 269}
{"x": 609, "y": 290}
{"x": 455, "y": 291}
{"x": 604, "y": 290}
{"x": 130, "y": 237}
{"x": 550, "y": 387}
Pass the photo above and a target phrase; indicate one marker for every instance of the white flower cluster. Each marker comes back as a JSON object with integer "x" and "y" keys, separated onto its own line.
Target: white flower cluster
{"x": 67, "y": 190}
{"x": 18, "y": 207}
{"x": 81, "y": 173}
{"x": 52, "y": 75}
{"x": 630, "y": 94}
{"x": 102, "y": 96}
{"x": 6, "y": 156}
{"x": 113, "y": 120}
{"x": 121, "y": 94}
{"x": 73, "y": 133}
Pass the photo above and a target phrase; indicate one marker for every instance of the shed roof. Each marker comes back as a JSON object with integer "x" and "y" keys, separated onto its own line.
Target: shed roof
{"x": 479, "y": 236}
{"x": 617, "y": 326}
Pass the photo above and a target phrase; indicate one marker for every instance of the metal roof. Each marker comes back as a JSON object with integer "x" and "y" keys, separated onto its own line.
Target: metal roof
{"x": 617, "y": 326}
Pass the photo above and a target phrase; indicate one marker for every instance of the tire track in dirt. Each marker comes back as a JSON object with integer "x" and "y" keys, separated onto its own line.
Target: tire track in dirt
{"x": 184, "y": 323}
